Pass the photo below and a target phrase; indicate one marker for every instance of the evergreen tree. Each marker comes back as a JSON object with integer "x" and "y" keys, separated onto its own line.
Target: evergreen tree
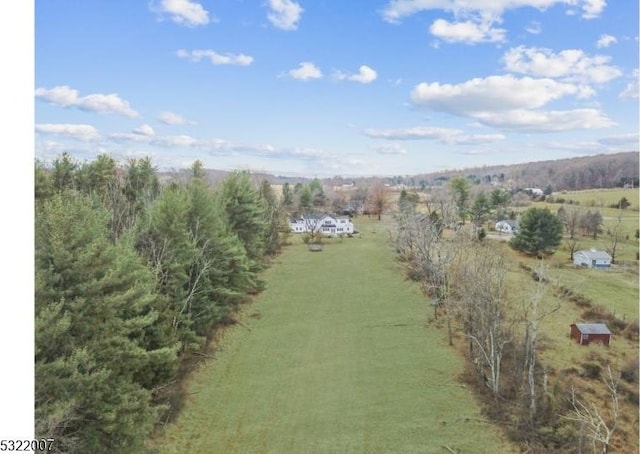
{"x": 306, "y": 198}
{"x": 197, "y": 170}
{"x": 244, "y": 212}
{"x": 43, "y": 182}
{"x": 480, "y": 209}
{"x": 460, "y": 193}
{"x": 63, "y": 174}
{"x": 201, "y": 266}
{"x": 101, "y": 174}
{"x": 499, "y": 198}
{"x": 287, "y": 195}
{"x": 539, "y": 232}
{"x": 406, "y": 203}
{"x": 221, "y": 260}
{"x": 94, "y": 302}
{"x": 128, "y": 197}
{"x": 164, "y": 238}
{"x": 273, "y": 219}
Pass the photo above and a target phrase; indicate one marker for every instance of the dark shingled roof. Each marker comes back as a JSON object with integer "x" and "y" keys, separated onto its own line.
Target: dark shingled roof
{"x": 593, "y": 328}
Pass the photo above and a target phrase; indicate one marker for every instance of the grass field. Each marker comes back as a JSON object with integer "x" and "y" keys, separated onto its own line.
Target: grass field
{"x": 334, "y": 357}
{"x": 601, "y": 198}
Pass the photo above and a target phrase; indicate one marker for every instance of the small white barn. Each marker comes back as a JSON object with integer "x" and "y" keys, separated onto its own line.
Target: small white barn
{"x": 507, "y": 226}
{"x": 592, "y": 259}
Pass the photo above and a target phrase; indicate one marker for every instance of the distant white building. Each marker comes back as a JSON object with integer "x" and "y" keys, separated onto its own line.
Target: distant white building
{"x": 507, "y": 226}
{"x": 535, "y": 192}
{"x": 326, "y": 224}
{"x": 592, "y": 259}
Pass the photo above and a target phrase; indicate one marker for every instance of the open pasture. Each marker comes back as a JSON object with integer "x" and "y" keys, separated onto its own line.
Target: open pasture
{"x": 601, "y": 198}
{"x": 334, "y": 357}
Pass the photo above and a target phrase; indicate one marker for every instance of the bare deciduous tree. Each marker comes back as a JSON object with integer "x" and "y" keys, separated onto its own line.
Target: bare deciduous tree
{"x": 591, "y": 418}
{"x": 481, "y": 291}
{"x": 378, "y": 200}
{"x": 533, "y": 315}
{"x": 617, "y": 233}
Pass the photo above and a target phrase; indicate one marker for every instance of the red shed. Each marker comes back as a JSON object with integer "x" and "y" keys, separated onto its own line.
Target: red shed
{"x": 584, "y": 333}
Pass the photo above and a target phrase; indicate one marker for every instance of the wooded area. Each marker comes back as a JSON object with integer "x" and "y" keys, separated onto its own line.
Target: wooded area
{"x": 130, "y": 276}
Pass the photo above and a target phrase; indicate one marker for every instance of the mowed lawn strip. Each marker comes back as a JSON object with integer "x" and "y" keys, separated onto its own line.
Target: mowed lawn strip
{"x": 339, "y": 360}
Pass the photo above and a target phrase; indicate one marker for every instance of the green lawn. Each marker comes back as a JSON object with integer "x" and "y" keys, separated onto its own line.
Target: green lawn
{"x": 335, "y": 358}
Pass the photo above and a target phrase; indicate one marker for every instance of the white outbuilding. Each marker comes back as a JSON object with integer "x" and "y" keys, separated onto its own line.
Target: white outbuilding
{"x": 592, "y": 258}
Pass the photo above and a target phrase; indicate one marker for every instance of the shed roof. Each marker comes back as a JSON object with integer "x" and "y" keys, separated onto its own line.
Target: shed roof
{"x": 592, "y": 254}
{"x": 593, "y": 328}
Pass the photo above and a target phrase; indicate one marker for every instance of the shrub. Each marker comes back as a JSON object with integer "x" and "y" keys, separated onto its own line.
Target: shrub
{"x": 632, "y": 331}
{"x": 591, "y": 370}
{"x": 629, "y": 371}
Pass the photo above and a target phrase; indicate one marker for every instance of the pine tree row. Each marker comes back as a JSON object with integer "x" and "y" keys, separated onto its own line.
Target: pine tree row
{"x": 129, "y": 275}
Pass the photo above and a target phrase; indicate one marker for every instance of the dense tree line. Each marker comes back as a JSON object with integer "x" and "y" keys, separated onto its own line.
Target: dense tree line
{"x": 130, "y": 275}
{"x": 600, "y": 171}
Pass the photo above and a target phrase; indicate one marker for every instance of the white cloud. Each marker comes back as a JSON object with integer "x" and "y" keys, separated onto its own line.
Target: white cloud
{"x": 365, "y": 75}
{"x": 170, "y": 118}
{"x": 176, "y": 141}
{"x": 393, "y": 149}
{"x": 545, "y": 121}
{"x": 469, "y": 32}
{"x": 593, "y": 8}
{"x": 284, "y": 14}
{"x": 183, "y": 12}
{"x": 215, "y": 58}
{"x": 415, "y": 133}
{"x": 474, "y": 20}
{"x": 621, "y": 139}
{"x": 305, "y": 71}
{"x": 475, "y": 139}
{"x": 83, "y": 132}
{"x": 449, "y": 136}
{"x": 283, "y": 153}
{"x": 122, "y": 137}
{"x": 631, "y": 91}
{"x": 65, "y": 96}
{"x": 606, "y": 40}
{"x": 508, "y": 102}
{"x": 144, "y": 130}
{"x": 490, "y": 94}
{"x": 396, "y": 10}
{"x": 570, "y": 64}
{"x": 534, "y": 28}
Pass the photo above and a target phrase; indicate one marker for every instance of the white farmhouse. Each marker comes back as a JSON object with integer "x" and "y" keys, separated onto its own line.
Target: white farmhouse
{"x": 326, "y": 224}
{"x": 592, "y": 259}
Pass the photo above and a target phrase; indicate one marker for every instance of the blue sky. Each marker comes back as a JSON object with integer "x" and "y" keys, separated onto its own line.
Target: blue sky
{"x": 323, "y": 88}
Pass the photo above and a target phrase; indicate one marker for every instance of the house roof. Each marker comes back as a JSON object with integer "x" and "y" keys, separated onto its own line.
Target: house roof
{"x": 510, "y": 222}
{"x": 592, "y": 254}
{"x": 592, "y": 328}
{"x": 317, "y": 216}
